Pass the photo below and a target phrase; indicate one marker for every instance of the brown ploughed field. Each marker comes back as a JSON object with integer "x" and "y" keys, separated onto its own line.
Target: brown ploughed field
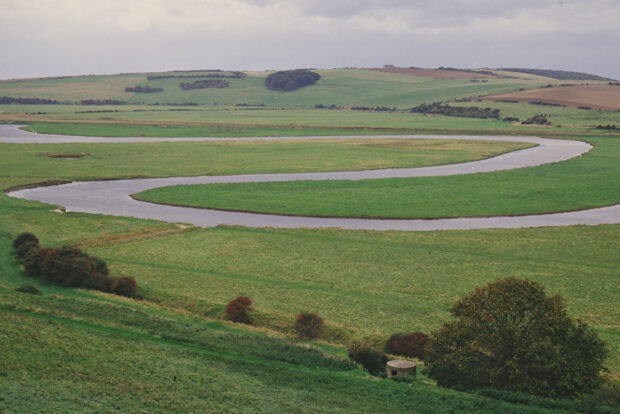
{"x": 435, "y": 73}
{"x": 600, "y": 96}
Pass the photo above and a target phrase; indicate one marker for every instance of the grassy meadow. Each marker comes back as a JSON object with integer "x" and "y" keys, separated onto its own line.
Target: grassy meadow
{"x": 591, "y": 180}
{"x": 346, "y": 87}
{"x": 108, "y": 161}
{"x": 78, "y": 350}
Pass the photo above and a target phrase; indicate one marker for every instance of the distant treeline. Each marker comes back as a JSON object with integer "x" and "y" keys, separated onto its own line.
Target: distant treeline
{"x": 7, "y": 100}
{"x": 370, "y": 108}
{"x": 102, "y": 102}
{"x": 466, "y": 112}
{"x": 204, "y": 83}
{"x": 290, "y": 80}
{"x": 545, "y": 103}
{"x": 42, "y": 101}
{"x": 232, "y": 75}
{"x": 143, "y": 89}
{"x": 558, "y": 74}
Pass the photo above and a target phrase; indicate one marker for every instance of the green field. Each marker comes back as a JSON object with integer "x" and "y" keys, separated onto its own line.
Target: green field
{"x": 181, "y": 364}
{"x": 77, "y": 350}
{"x": 348, "y": 87}
{"x": 107, "y": 161}
{"x": 591, "y": 180}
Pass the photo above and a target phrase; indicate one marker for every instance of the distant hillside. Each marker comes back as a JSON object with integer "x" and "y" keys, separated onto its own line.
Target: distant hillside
{"x": 558, "y": 74}
{"x": 338, "y": 87}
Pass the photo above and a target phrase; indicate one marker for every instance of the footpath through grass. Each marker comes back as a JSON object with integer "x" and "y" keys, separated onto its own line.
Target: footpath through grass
{"x": 592, "y": 180}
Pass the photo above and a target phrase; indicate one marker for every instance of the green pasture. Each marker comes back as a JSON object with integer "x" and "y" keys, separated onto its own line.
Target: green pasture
{"x": 132, "y": 121}
{"x": 104, "y": 355}
{"x": 365, "y": 284}
{"x": 25, "y": 164}
{"x": 564, "y": 117}
{"x": 345, "y": 87}
{"x": 72, "y": 350}
{"x": 592, "y": 180}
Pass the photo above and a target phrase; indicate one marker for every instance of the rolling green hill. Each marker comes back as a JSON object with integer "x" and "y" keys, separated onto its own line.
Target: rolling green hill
{"x": 342, "y": 87}
{"x": 76, "y": 350}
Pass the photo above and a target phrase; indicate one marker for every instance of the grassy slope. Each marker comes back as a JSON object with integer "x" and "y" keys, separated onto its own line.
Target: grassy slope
{"x": 233, "y": 121}
{"x": 364, "y": 283}
{"x": 566, "y": 117}
{"x": 589, "y": 181}
{"x": 104, "y": 354}
{"x": 341, "y": 87}
{"x": 222, "y": 158}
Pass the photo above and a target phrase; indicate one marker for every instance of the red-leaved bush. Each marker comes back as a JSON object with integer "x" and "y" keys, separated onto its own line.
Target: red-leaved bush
{"x": 125, "y": 286}
{"x": 308, "y": 325}
{"x": 409, "y": 345}
{"x": 237, "y": 310}
{"x": 70, "y": 266}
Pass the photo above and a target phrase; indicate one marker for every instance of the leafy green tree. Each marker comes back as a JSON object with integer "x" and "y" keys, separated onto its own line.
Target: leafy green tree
{"x": 510, "y": 335}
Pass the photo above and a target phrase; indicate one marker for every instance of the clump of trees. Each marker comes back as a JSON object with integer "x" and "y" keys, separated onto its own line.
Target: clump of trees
{"x": 69, "y": 266}
{"x": 410, "y": 345}
{"x": 509, "y": 335}
{"x": 237, "y": 310}
{"x": 143, "y": 89}
{"x": 309, "y": 325}
{"x": 290, "y": 80}
{"x": 608, "y": 126}
{"x": 204, "y": 83}
{"x": 460, "y": 111}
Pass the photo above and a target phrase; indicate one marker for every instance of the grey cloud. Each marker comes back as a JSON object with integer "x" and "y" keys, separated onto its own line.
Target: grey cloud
{"x": 57, "y": 37}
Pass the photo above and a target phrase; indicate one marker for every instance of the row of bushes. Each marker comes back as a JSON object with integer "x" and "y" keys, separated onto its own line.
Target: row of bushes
{"x": 69, "y": 266}
{"x": 102, "y": 102}
{"x": 537, "y": 120}
{"x": 460, "y": 111}
{"x": 232, "y": 75}
{"x": 308, "y": 325}
{"x": 370, "y": 108}
{"x": 8, "y": 100}
{"x": 204, "y": 83}
{"x": 143, "y": 89}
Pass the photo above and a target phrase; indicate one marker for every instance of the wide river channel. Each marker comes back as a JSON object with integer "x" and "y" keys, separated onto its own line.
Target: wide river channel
{"x": 114, "y": 197}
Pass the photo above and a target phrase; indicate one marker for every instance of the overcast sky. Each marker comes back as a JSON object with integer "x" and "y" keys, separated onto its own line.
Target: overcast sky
{"x": 68, "y": 37}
